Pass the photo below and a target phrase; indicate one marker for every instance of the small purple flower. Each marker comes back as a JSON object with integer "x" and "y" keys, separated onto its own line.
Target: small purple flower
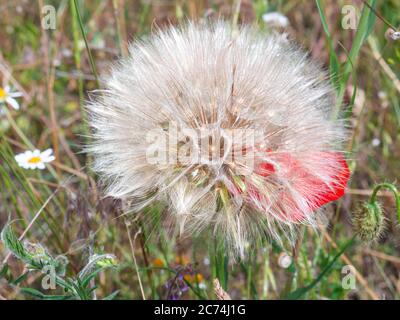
{"x": 177, "y": 285}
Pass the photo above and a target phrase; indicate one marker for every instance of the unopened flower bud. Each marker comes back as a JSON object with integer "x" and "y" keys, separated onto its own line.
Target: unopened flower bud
{"x": 369, "y": 221}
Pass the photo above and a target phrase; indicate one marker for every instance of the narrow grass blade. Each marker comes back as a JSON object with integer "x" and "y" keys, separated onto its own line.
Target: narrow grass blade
{"x": 92, "y": 64}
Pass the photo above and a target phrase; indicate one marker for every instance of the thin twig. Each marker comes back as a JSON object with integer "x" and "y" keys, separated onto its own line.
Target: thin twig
{"x": 236, "y": 12}
{"x": 50, "y": 79}
{"x": 92, "y": 65}
{"x": 134, "y": 257}
{"x": 383, "y": 256}
{"x": 385, "y": 67}
{"x": 368, "y": 192}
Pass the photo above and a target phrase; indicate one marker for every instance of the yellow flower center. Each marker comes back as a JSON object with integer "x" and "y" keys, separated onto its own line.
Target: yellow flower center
{"x": 34, "y": 160}
{"x": 3, "y": 94}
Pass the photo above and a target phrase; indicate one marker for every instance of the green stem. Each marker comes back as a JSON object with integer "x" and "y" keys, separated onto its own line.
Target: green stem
{"x": 92, "y": 65}
{"x": 361, "y": 34}
{"x": 395, "y": 192}
{"x": 77, "y": 54}
{"x": 221, "y": 263}
{"x": 18, "y": 131}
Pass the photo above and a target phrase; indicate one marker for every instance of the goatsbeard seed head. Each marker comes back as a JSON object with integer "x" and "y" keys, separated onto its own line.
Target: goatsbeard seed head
{"x": 232, "y": 130}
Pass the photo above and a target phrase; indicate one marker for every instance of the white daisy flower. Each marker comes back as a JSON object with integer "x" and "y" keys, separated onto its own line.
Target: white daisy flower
{"x": 6, "y": 96}
{"x": 34, "y": 159}
{"x": 275, "y": 19}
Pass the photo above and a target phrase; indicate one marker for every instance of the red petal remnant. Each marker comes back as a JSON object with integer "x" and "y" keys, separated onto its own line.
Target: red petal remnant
{"x": 315, "y": 185}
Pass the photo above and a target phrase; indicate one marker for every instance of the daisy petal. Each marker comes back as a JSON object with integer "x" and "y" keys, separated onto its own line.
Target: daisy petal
{"x": 41, "y": 166}
{"x": 16, "y": 94}
{"x": 12, "y": 102}
{"x": 47, "y": 152}
{"x": 49, "y": 159}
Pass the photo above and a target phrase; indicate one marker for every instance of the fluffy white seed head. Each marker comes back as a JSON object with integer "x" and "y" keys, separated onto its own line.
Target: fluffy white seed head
{"x": 216, "y": 124}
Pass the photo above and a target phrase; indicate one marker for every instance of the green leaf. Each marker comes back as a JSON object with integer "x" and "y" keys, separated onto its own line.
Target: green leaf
{"x": 4, "y": 270}
{"x": 364, "y": 28}
{"x": 371, "y": 19}
{"x": 97, "y": 261}
{"x": 85, "y": 281}
{"x": 37, "y": 294}
{"x": 21, "y": 278}
{"x": 11, "y": 242}
{"x": 111, "y": 296}
{"x": 334, "y": 66}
